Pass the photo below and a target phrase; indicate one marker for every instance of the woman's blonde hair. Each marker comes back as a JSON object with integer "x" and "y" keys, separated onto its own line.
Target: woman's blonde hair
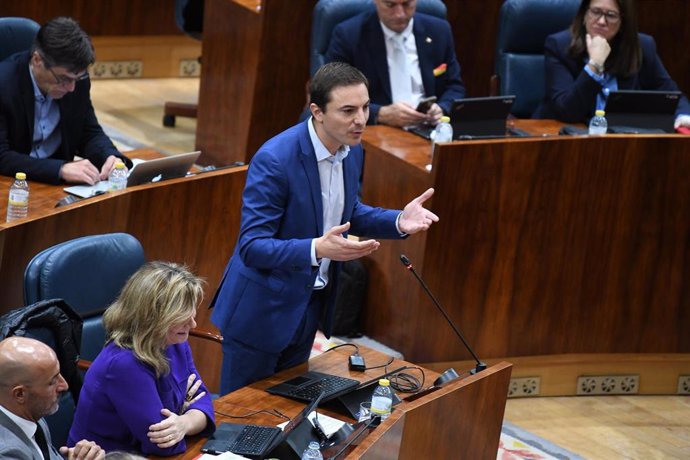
{"x": 158, "y": 296}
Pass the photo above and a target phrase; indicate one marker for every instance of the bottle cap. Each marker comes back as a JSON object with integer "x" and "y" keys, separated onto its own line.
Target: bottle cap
{"x": 384, "y": 382}
{"x": 599, "y": 113}
{"x": 119, "y": 164}
{"x": 445, "y": 119}
{"x": 20, "y": 176}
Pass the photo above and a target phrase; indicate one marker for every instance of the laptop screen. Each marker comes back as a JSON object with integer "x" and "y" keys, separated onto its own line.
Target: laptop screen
{"x": 642, "y": 109}
{"x": 480, "y": 116}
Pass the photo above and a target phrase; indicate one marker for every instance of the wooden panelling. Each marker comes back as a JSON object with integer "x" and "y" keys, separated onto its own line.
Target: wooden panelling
{"x": 545, "y": 246}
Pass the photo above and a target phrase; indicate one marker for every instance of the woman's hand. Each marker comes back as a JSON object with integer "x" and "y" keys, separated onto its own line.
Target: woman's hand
{"x": 191, "y": 397}
{"x": 598, "y": 50}
{"x": 168, "y": 432}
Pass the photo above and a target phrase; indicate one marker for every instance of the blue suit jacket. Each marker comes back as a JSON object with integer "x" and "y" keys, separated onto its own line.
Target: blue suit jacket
{"x": 359, "y": 41}
{"x": 122, "y": 397}
{"x": 81, "y": 133}
{"x": 571, "y": 93}
{"x": 269, "y": 279}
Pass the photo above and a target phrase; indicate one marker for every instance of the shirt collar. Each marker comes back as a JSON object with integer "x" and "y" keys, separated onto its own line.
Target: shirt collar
{"x": 38, "y": 95}
{"x": 320, "y": 150}
{"x": 27, "y": 426}
{"x": 391, "y": 34}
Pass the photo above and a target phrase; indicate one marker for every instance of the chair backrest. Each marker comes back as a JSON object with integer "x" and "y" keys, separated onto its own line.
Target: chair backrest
{"x": 189, "y": 17}
{"x": 329, "y": 13}
{"x": 57, "y": 325}
{"x": 16, "y": 34}
{"x": 88, "y": 273}
{"x": 522, "y": 29}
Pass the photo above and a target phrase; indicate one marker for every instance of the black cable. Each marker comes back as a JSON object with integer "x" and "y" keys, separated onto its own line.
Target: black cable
{"x": 382, "y": 365}
{"x": 273, "y": 412}
{"x": 343, "y": 345}
{"x": 407, "y": 383}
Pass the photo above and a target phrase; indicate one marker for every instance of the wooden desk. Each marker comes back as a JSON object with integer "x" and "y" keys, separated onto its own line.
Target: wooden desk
{"x": 462, "y": 420}
{"x": 546, "y": 246}
{"x": 192, "y": 220}
{"x": 256, "y": 64}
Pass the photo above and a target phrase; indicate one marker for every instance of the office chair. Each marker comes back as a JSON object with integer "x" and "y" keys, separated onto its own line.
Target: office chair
{"x": 16, "y": 34}
{"x": 57, "y": 325}
{"x": 88, "y": 273}
{"x": 189, "y": 15}
{"x": 522, "y": 29}
{"x": 329, "y": 13}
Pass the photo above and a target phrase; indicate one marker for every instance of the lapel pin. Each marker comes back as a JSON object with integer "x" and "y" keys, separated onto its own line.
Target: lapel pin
{"x": 428, "y": 39}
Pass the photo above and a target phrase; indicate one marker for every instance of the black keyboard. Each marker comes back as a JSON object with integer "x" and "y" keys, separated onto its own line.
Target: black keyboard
{"x": 329, "y": 386}
{"x": 253, "y": 440}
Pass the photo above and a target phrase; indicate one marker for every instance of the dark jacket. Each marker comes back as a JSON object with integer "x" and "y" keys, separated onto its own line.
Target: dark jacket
{"x": 54, "y": 323}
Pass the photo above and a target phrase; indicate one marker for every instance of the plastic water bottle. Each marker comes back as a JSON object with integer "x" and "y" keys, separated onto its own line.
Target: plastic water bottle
{"x": 382, "y": 399}
{"x": 312, "y": 452}
{"x": 117, "y": 180}
{"x": 598, "y": 123}
{"x": 443, "y": 132}
{"x": 18, "y": 202}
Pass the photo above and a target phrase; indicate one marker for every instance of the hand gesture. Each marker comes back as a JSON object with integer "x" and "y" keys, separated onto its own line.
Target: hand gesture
{"x": 434, "y": 114}
{"x": 191, "y": 396}
{"x": 415, "y": 218}
{"x": 83, "y": 450}
{"x": 168, "y": 432}
{"x": 598, "y": 49}
{"x": 334, "y": 246}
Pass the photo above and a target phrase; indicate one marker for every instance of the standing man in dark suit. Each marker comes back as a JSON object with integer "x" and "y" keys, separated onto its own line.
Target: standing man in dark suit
{"x": 405, "y": 56}
{"x": 299, "y": 203}
{"x": 46, "y": 116}
{"x": 30, "y": 387}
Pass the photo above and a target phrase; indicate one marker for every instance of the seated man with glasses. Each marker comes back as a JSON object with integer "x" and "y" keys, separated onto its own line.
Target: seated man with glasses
{"x": 601, "y": 52}
{"x": 46, "y": 116}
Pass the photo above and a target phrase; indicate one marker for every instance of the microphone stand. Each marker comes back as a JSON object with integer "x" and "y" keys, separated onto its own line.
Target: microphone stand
{"x": 450, "y": 374}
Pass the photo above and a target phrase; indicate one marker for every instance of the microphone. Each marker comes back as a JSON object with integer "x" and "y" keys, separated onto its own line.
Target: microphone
{"x": 450, "y": 374}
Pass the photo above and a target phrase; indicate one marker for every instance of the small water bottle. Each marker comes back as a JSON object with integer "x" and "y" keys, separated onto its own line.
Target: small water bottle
{"x": 312, "y": 452}
{"x": 443, "y": 132}
{"x": 598, "y": 123}
{"x": 18, "y": 202}
{"x": 117, "y": 180}
{"x": 382, "y": 399}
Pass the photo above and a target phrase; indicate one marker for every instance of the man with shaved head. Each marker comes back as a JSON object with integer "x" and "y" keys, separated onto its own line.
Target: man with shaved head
{"x": 30, "y": 387}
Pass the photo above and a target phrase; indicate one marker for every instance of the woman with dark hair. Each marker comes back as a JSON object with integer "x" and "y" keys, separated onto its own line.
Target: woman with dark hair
{"x": 601, "y": 52}
{"x": 142, "y": 393}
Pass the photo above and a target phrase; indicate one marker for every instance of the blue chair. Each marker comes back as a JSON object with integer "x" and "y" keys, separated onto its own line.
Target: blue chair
{"x": 88, "y": 273}
{"x": 16, "y": 34}
{"x": 329, "y": 13}
{"x": 522, "y": 29}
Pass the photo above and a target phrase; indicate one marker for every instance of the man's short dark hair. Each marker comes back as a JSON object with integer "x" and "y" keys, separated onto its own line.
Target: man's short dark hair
{"x": 331, "y": 76}
{"x": 62, "y": 43}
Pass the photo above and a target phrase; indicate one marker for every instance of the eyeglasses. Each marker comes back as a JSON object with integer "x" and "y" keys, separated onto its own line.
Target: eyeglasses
{"x": 65, "y": 80}
{"x": 612, "y": 17}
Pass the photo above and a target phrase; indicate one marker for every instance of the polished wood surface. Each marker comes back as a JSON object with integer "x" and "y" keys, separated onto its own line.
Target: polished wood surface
{"x": 255, "y": 68}
{"x": 102, "y": 17}
{"x": 465, "y": 416}
{"x": 545, "y": 245}
{"x": 194, "y": 221}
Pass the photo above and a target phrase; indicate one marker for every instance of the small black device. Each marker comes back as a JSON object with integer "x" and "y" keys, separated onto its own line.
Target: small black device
{"x": 425, "y": 104}
{"x": 357, "y": 363}
{"x": 69, "y": 199}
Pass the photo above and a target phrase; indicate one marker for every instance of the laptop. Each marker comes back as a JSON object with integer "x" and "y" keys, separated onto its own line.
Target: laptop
{"x": 143, "y": 172}
{"x": 254, "y": 441}
{"x": 475, "y": 118}
{"x": 646, "y": 110}
{"x": 311, "y": 384}
{"x": 351, "y": 399}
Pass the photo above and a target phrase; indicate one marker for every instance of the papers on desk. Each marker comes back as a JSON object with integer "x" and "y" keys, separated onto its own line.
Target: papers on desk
{"x": 223, "y": 456}
{"x": 330, "y": 425}
{"x": 87, "y": 191}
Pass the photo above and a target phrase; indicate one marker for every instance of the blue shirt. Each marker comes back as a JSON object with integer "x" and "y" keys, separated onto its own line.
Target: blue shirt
{"x": 47, "y": 137}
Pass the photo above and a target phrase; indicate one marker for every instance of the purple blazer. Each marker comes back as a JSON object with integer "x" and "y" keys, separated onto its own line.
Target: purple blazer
{"x": 122, "y": 397}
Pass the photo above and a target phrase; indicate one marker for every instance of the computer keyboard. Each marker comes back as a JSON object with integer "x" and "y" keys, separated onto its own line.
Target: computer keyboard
{"x": 253, "y": 440}
{"x": 329, "y": 386}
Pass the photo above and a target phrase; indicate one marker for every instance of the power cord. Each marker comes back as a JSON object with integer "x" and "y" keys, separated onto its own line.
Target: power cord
{"x": 405, "y": 382}
{"x": 273, "y": 412}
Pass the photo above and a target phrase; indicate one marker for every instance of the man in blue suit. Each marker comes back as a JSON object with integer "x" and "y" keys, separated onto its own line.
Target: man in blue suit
{"x": 405, "y": 56}
{"x": 299, "y": 203}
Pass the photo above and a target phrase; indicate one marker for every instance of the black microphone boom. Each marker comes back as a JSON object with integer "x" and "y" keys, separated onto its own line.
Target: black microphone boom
{"x": 480, "y": 365}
